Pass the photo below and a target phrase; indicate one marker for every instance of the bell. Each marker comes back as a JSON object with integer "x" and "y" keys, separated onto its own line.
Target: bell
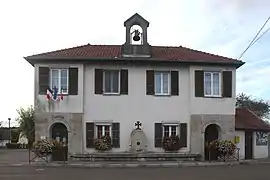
{"x": 136, "y": 37}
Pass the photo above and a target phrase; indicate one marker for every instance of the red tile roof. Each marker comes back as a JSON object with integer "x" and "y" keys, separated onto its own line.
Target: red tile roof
{"x": 247, "y": 120}
{"x": 114, "y": 51}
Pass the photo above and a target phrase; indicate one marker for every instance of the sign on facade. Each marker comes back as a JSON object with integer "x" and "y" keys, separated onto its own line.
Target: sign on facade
{"x": 261, "y": 139}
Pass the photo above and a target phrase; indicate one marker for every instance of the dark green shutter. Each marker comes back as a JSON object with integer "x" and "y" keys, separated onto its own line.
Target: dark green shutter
{"x": 183, "y": 134}
{"x": 174, "y": 83}
{"x": 124, "y": 81}
{"x": 98, "y": 81}
{"x": 150, "y": 82}
{"x": 227, "y": 83}
{"x": 90, "y": 135}
{"x": 116, "y": 135}
{"x": 158, "y": 134}
{"x": 44, "y": 79}
{"x": 73, "y": 81}
{"x": 199, "y": 83}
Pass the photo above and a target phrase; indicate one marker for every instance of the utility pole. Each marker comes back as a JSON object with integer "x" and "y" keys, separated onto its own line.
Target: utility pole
{"x": 9, "y": 130}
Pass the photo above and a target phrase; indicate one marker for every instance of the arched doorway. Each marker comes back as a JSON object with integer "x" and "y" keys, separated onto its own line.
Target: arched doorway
{"x": 59, "y": 132}
{"x": 211, "y": 133}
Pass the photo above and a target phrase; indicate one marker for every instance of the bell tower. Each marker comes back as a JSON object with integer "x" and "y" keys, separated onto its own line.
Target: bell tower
{"x": 136, "y": 44}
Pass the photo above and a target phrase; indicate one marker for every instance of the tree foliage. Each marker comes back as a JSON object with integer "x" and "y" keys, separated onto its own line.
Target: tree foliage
{"x": 259, "y": 106}
{"x": 26, "y": 121}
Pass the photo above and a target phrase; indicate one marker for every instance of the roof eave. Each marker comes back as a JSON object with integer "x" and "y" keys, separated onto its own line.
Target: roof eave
{"x": 33, "y": 60}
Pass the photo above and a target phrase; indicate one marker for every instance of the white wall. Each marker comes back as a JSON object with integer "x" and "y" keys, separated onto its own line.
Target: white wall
{"x": 71, "y": 103}
{"x": 127, "y": 109}
{"x": 241, "y": 144}
{"x": 258, "y": 151}
{"x": 200, "y": 105}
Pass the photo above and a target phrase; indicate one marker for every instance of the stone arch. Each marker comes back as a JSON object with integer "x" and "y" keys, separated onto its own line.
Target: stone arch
{"x": 212, "y": 132}
{"x": 59, "y": 131}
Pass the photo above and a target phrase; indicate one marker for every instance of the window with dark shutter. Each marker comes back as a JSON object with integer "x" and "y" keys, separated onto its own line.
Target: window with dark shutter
{"x": 158, "y": 134}
{"x": 73, "y": 81}
{"x": 150, "y": 82}
{"x": 116, "y": 135}
{"x": 174, "y": 83}
{"x": 98, "y": 81}
{"x": 199, "y": 83}
{"x": 227, "y": 83}
{"x": 44, "y": 78}
{"x": 183, "y": 134}
{"x": 124, "y": 81}
{"x": 90, "y": 135}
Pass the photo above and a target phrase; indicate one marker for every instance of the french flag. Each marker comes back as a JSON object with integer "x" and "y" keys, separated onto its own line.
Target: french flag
{"x": 49, "y": 94}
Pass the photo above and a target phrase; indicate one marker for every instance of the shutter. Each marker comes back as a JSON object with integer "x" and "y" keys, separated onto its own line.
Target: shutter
{"x": 199, "y": 83}
{"x": 150, "y": 82}
{"x": 98, "y": 81}
{"x": 183, "y": 134}
{"x": 90, "y": 135}
{"x": 73, "y": 81}
{"x": 158, "y": 134}
{"x": 174, "y": 83}
{"x": 227, "y": 83}
{"x": 44, "y": 79}
{"x": 116, "y": 135}
{"x": 124, "y": 81}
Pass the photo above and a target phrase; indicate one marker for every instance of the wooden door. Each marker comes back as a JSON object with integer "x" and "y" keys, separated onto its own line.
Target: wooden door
{"x": 248, "y": 144}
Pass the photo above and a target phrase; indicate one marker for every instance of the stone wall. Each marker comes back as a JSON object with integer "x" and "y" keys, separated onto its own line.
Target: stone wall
{"x": 198, "y": 124}
{"x": 73, "y": 123}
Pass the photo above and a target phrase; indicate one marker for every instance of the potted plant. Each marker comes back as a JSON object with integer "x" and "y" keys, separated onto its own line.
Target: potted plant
{"x": 171, "y": 143}
{"x": 103, "y": 143}
{"x": 43, "y": 148}
{"x": 222, "y": 148}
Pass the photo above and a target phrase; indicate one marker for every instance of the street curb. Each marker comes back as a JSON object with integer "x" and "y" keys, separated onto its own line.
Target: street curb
{"x": 135, "y": 165}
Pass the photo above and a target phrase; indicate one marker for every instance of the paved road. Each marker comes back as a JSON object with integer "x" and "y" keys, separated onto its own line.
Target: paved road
{"x": 244, "y": 172}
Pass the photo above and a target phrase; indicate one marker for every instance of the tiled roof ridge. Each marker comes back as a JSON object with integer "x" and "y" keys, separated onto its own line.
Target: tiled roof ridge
{"x": 114, "y": 45}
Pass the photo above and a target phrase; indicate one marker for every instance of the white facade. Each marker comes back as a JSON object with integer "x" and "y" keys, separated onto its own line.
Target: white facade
{"x": 136, "y": 105}
{"x": 259, "y": 151}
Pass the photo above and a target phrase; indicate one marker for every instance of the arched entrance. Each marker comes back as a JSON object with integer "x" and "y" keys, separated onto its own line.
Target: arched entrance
{"x": 211, "y": 133}
{"x": 59, "y": 132}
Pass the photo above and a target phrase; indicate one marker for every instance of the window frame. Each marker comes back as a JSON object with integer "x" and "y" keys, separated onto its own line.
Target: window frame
{"x": 212, "y": 85}
{"x": 103, "y": 129}
{"x": 119, "y": 81}
{"x": 59, "y": 78}
{"x": 170, "y": 127}
{"x": 169, "y": 83}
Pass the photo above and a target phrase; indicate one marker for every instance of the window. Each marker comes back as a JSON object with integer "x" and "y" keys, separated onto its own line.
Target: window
{"x": 111, "y": 82}
{"x": 212, "y": 84}
{"x": 103, "y": 130}
{"x": 162, "y": 83}
{"x": 59, "y": 79}
{"x": 170, "y": 130}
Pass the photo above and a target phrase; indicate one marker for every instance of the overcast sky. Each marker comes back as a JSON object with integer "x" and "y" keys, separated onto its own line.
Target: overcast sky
{"x": 222, "y": 27}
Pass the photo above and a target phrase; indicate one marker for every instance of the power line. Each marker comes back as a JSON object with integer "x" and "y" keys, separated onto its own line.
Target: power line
{"x": 253, "y": 40}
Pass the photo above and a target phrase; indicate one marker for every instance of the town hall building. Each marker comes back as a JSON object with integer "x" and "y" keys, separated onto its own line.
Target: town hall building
{"x": 136, "y": 93}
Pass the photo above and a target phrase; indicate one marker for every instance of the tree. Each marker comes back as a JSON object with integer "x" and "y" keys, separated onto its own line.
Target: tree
{"x": 26, "y": 122}
{"x": 259, "y": 106}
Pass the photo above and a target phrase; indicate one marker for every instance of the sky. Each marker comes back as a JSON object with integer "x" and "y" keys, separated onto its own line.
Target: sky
{"x": 223, "y": 27}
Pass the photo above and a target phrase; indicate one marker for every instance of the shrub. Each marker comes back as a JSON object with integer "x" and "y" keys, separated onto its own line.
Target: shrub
{"x": 224, "y": 148}
{"x": 171, "y": 143}
{"x": 13, "y": 146}
{"x": 103, "y": 143}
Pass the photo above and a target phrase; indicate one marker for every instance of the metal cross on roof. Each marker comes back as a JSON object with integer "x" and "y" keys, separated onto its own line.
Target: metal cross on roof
{"x": 138, "y": 124}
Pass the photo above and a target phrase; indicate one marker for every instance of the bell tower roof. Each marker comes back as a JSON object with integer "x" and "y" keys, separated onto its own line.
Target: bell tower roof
{"x": 136, "y": 19}
{"x": 130, "y": 48}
